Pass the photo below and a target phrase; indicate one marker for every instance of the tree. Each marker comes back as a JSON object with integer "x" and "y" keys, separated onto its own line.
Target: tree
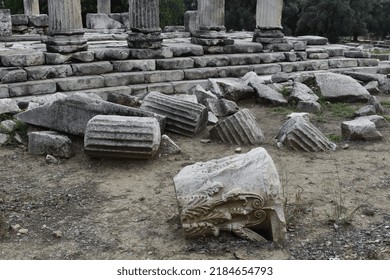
{"x": 240, "y": 15}
{"x": 291, "y": 12}
{"x": 171, "y": 12}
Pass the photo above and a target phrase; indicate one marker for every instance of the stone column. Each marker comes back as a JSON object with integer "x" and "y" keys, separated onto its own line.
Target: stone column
{"x": 145, "y": 31}
{"x": 66, "y": 34}
{"x": 269, "y": 25}
{"x": 31, "y": 7}
{"x": 211, "y": 30}
{"x": 5, "y": 23}
{"x": 104, "y": 7}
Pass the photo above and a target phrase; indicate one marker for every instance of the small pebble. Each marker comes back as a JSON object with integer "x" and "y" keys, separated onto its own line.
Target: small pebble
{"x": 345, "y": 147}
{"x": 205, "y": 141}
{"x": 57, "y": 234}
{"x": 51, "y": 159}
{"x": 15, "y": 227}
{"x": 238, "y": 150}
{"x": 23, "y": 231}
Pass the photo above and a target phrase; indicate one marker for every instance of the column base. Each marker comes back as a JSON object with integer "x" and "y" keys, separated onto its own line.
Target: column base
{"x": 211, "y": 37}
{"x": 272, "y": 39}
{"x": 65, "y": 44}
{"x": 141, "y": 40}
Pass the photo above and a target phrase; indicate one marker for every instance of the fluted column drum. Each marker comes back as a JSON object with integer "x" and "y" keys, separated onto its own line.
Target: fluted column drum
{"x": 145, "y": 31}
{"x": 31, "y": 7}
{"x": 269, "y": 14}
{"x": 66, "y": 34}
{"x": 104, "y": 7}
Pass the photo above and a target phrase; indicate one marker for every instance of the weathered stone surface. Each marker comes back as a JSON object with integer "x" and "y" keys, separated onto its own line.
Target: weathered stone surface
{"x": 134, "y": 65}
{"x": 32, "y": 88}
{"x": 211, "y": 61}
{"x": 49, "y": 142}
{"x": 238, "y": 129}
{"x": 8, "y": 106}
{"x": 364, "y": 77}
{"x": 372, "y": 87}
{"x": 166, "y": 88}
{"x": 122, "y": 137}
{"x": 57, "y": 58}
{"x": 191, "y": 21}
{"x": 299, "y": 134}
{"x": 336, "y": 87}
{"x": 365, "y": 111}
{"x": 12, "y": 75}
{"x": 318, "y": 56}
{"x": 163, "y": 52}
{"x": 309, "y": 106}
{"x": 48, "y": 72}
{"x": 267, "y": 69}
{"x": 234, "y": 90}
{"x": 175, "y": 63}
{"x": 357, "y": 54}
{"x": 377, "y": 105}
{"x": 202, "y": 95}
{"x": 19, "y": 19}
{"x": 4, "y": 138}
{"x": 263, "y": 93}
{"x": 102, "y": 21}
{"x": 7, "y": 126}
{"x": 39, "y": 20}
{"x": 360, "y": 129}
{"x": 183, "y": 117}
{"x": 367, "y": 62}
{"x": 168, "y": 147}
{"x": 23, "y": 59}
{"x": 300, "y": 46}
{"x": 379, "y": 121}
{"x": 123, "y": 79}
{"x": 342, "y": 63}
{"x": 221, "y": 107}
{"x": 301, "y": 92}
{"x": 112, "y": 54}
{"x": 5, "y": 23}
{"x": 164, "y": 76}
{"x": 79, "y": 83}
{"x": 280, "y": 77}
{"x": 71, "y": 114}
{"x": 104, "y": 7}
{"x": 240, "y": 193}
{"x": 94, "y": 68}
{"x": 201, "y": 73}
{"x": 188, "y": 86}
{"x": 313, "y": 40}
{"x": 185, "y": 49}
{"x": 212, "y": 119}
{"x": 335, "y": 51}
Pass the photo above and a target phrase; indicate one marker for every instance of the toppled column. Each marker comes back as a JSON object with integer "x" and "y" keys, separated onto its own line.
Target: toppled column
{"x": 183, "y": 117}
{"x": 241, "y": 194}
{"x": 144, "y": 24}
{"x": 5, "y": 23}
{"x": 269, "y": 25}
{"x": 211, "y": 30}
{"x": 65, "y": 33}
{"x": 104, "y": 7}
{"x": 238, "y": 129}
{"x": 31, "y": 7}
{"x": 122, "y": 137}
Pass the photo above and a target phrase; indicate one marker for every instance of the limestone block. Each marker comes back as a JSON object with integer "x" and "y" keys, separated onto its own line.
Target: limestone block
{"x": 360, "y": 129}
{"x": 164, "y": 76}
{"x": 238, "y": 129}
{"x": 244, "y": 59}
{"x": 122, "y": 137}
{"x": 79, "y": 83}
{"x": 201, "y": 73}
{"x": 123, "y": 79}
{"x": 364, "y": 77}
{"x": 183, "y": 117}
{"x": 300, "y": 46}
{"x": 335, "y": 51}
{"x": 299, "y": 134}
{"x": 290, "y": 56}
{"x": 166, "y": 88}
{"x": 8, "y": 106}
{"x": 23, "y": 59}
{"x": 318, "y": 56}
{"x": 168, "y": 147}
{"x": 379, "y": 121}
{"x": 301, "y": 56}
{"x": 372, "y": 87}
{"x": 342, "y": 63}
{"x": 336, "y": 87}
{"x": 102, "y": 21}
{"x": 368, "y": 62}
{"x": 357, "y": 54}
{"x": 7, "y": 126}
{"x": 94, "y": 68}
{"x": 48, "y": 72}
{"x": 175, "y": 63}
{"x": 4, "y": 92}
{"x": 4, "y": 138}
{"x": 211, "y": 61}
{"x": 32, "y": 88}
{"x": 190, "y": 21}
{"x": 163, "y": 52}
{"x": 280, "y": 77}
{"x": 313, "y": 40}
{"x": 5, "y": 23}
{"x": 202, "y": 95}
{"x": 238, "y": 71}
{"x": 49, "y": 142}
{"x": 12, "y": 75}
{"x": 302, "y": 92}
{"x": 19, "y": 19}
{"x": 112, "y": 53}
{"x": 134, "y": 65}
{"x": 365, "y": 111}
{"x": 376, "y": 103}
{"x": 19, "y": 29}
{"x": 71, "y": 114}
{"x": 39, "y": 20}
{"x": 187, "y": 86}
{"x": 57, "y": 58}
{"x": 221, "y": 107}
{"x": 235, "y": 91}
{"x": 267, "y": 69}
{"x": 185, "y": 49}
{"x": 272, "y": 57}
{"x": 309, "y": 106}
{"x": 241, "y": 194}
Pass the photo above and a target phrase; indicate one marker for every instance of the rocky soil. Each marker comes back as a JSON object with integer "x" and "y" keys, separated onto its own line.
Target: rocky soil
{"x": 337, "y": 203}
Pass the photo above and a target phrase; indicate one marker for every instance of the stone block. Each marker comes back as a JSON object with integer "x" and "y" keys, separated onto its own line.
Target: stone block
{"x": 93, "y": 68}
{"x": 163, "y": 52}
{"x": 286, "y": 67}
{"x": 202, "y": 95}
{"x": 79, "y": 83}
{"x": 187, "y": 86}
{"x": 49, "y": 142}
{"x": 357, "y": 54}
{"x": 48, "y": 72}
{"x": 12, "y": 75}
{"x": 112, "y": 54}
{"x": 360, "y": 129}
{"x": 201, "y": 73}
{"x": 168, "y": 147}
{"x": 71, "y": 114}
{"x": 5, "y": 23}
{"x": 175, "y": 63}
{"x": 4, "y": 92}
{"x": 122, "y": 137}
{"x": 267, "y": 69}
{"x": 38, "y": 20}
{"x": 241, "y": 194}
{"x": 185, "y": 49}
{"x": 102, "y": 21}
{"x": 342, "y": 63}
{"x": 211, "y": 61}
{"x": 32, "y": 88}
{"x": 8, "y": 106}
{"x": 368, "y": 62}
{"x": 244, "y": 59}
{"x": 313, "y": 40}
{"x": 183, "y": 117}
{"x": 318, "y": 56}
{"x": 164, "y": 76}
{"x": 191, "y": 21}
{"x": 239, "y": 71}
{"x": 221, "y": 107}
{"x": 165, "y": 88}
{"x": 19, "y": 29}
{"x": 123, "y": 79}
{"x": 234, "y": 90}
{"x": 335, "y": 51}
{"x": 243, "y": 47}
{"x": 134, "y": 65}
{"x": 22, "y": 59}
{"x": 19, "y": 19}
{"x": 272, "y": 57}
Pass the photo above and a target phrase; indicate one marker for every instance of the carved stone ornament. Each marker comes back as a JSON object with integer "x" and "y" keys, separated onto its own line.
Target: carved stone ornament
{"x": 240, "y": 194}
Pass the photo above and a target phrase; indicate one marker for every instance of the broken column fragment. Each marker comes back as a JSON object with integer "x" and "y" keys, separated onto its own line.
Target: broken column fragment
{"x": 238, "y": 129}
{"x": 183, "y": 117}
{"x": 122, "y": 137}
{"x": 301, "y": 135}
{"x": 49, "y": 142}
{"x": 71, "y": 114}
{"x": 360, "y": 129}
{"x": 241, "y": 194}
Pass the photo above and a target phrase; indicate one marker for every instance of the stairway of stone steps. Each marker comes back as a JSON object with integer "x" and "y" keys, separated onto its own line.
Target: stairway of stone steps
{"x": 106, "y": 67}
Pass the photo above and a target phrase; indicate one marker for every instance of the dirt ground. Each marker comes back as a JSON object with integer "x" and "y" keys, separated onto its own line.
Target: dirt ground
{"x": 110, "y": 209}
